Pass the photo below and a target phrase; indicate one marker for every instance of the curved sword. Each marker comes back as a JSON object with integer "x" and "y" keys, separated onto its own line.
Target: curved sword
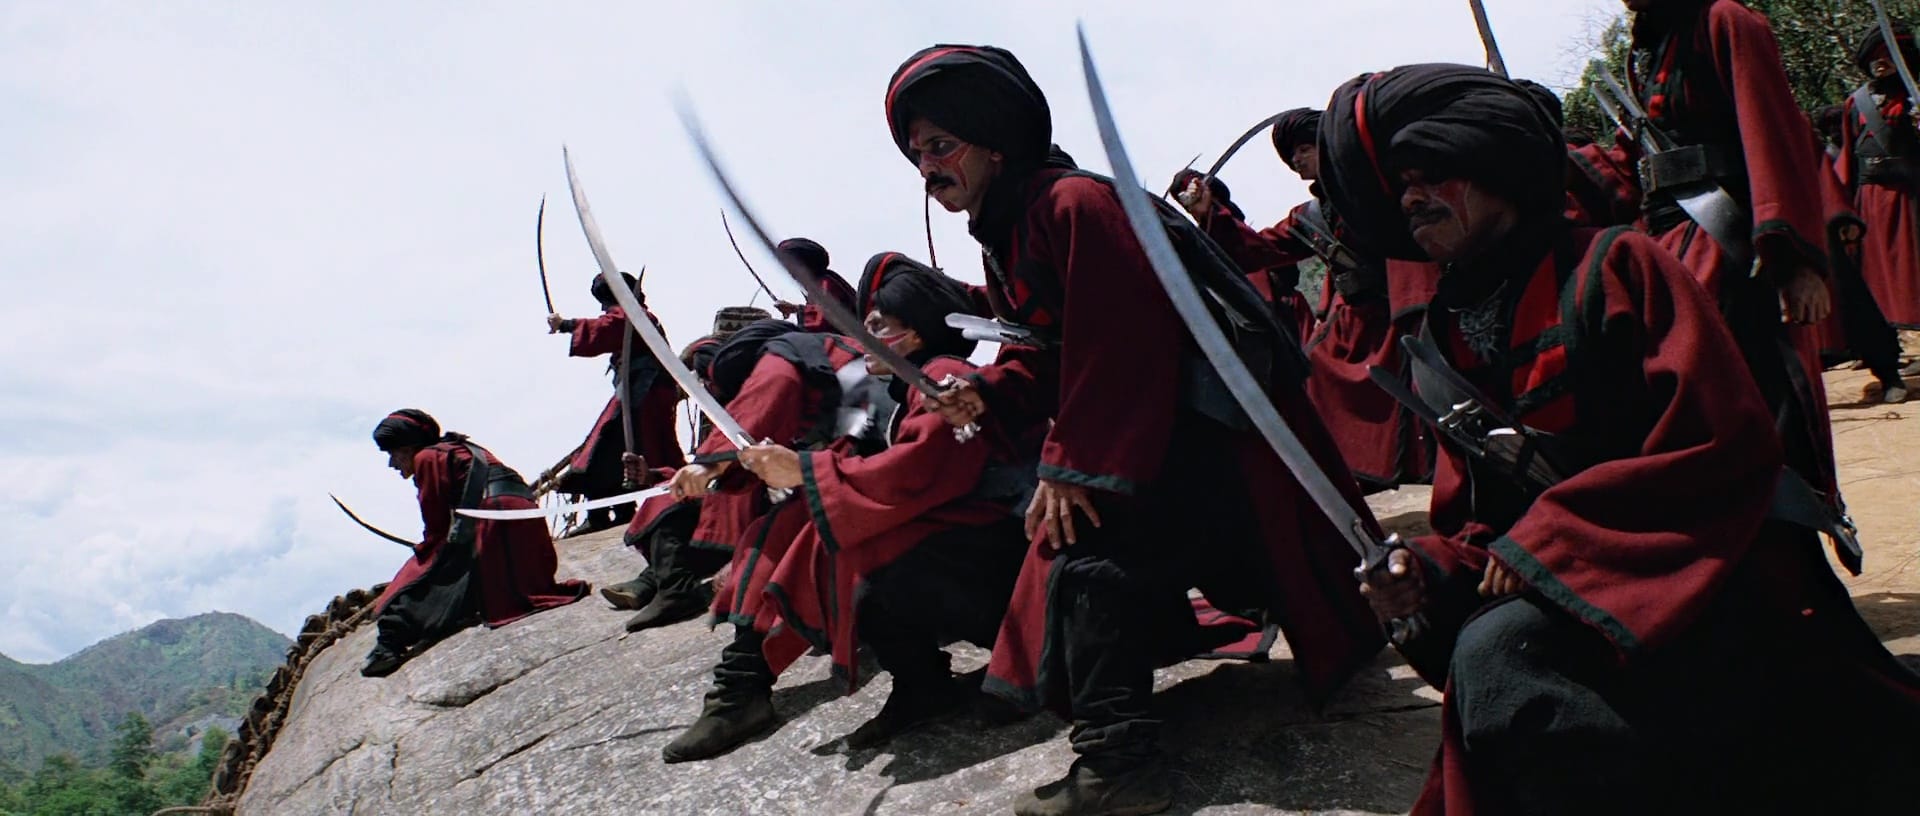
{"x": 1240, "y": 382}
{"x": 370, "y": 528}
{"x": 637, "y": 318}
{"x": 836, "y": 313}
{"x": 635, "y": 497}
{"x": 540, "y": 253}
{"x": 1206, "y": 181}
{"x": 743, "y": 257}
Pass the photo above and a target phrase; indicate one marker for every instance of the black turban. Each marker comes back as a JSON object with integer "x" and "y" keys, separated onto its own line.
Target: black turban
{"x": 1872, "y": 39}
{"x": 1294, "y": 128}
{"x": 1221, "y": 195}
{"x": 698, "y": 355}
{"x": 1549, "y": 101}
{"x": 1448, "y": 121}
{"x": 919, "y": 296}
{"x": 605, "y": 295}
{"x": 814, "y": 257}
{"x": 978, "y": 93}
{"x": 734, "y": 360}
{"x": 406, "y": 428}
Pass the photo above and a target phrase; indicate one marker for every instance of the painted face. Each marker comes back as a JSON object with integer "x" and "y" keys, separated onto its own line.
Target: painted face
{"x": 401, "y": 460}
{"x": 956, "y": 173}
{"x": 895, "y": 334}
{"x": 1880, "y": 63}
{"x": 1453, "y": 219}
{"x": 1305, "y": 161}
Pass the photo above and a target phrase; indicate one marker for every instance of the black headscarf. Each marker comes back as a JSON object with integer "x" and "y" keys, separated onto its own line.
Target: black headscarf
{"x": 815, "y": 258}
{"x": 406, "y": 428}
{"x": 605, "y": 295}
{"x": 1221, "y": 195}
{"x": 1449, "y": 121}
{"x": 1549, "y": 101}
{"x": 734, "y": 360}
{"x": 978, "y": 93}
{"x": 919, "y": 296}
{"x": 698, "y": 355}
{"x": 1293, "y": 128}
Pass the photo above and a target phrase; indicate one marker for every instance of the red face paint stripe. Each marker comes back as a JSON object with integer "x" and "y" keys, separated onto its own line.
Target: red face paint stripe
{"x": 894, "y": 92}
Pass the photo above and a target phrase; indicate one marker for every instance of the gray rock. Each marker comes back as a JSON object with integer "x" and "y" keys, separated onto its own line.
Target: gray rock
{"x": 565, "y": 713}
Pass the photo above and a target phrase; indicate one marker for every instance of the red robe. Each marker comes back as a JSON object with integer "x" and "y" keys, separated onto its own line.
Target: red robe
{"x": 654, "y": 436}
{"x": 1383, "y": 443}
{"x": 513, "y": 561}
{"x": 1603, "y": 187}
{"x": 862, "y": 512}
{"x": 775, "y": 402}
{"x": 1121, "y": 344}
{"x": 1639, "y": 543}
{"x": 1890, "y": 252}
{"x": 1718, "y": 79}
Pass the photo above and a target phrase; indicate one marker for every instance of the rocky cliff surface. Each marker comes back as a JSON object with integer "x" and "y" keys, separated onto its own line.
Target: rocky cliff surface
{"x": 566, "y": 713}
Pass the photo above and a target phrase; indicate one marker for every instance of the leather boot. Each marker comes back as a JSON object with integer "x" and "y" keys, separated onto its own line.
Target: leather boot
{"x": 723, "y": 726}
{"x": 1089, "y": 790}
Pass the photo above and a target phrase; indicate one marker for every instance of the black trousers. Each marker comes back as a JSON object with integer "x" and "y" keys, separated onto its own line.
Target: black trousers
{"x": 742, "y": 673}
{"x": 1744, "y": 714}
{"x": 1870, "y": 338}
{"x": 953, "y": 586}
{"x": 438, "y": 604}
{"x": 678, "y": 566}
{"x": 1120, "y": 598}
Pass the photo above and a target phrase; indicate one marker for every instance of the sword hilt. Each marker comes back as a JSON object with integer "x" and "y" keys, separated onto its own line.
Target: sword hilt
{"x": 1404, "y": 630}
{"x": 967, "y": 432}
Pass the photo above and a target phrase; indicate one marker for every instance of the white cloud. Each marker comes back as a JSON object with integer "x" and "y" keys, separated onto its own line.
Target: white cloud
{"x": 239, "y": 234}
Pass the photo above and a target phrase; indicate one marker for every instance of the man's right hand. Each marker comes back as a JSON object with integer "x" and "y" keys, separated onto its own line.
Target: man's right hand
{"x": 1196, "y": 197}
{"x": 553, "y": 323}
{"x": 693, "y": 481}
{"x": 1396, "y": 590}
{"x": 960, "y": 404}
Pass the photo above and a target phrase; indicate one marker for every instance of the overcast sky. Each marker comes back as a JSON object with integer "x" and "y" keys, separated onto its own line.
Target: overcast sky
{"x": 237, "y": 234}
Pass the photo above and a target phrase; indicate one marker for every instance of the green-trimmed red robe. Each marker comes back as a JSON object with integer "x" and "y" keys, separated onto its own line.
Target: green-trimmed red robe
{"x": 513, "y": 561}
{"x": 1075, "y": 269}
{"x": 1668, "y": 515}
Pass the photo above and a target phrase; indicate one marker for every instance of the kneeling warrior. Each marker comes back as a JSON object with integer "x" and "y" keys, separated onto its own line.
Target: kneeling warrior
{"x": 1620, "y": 616}
{"x": 463, "y": 568}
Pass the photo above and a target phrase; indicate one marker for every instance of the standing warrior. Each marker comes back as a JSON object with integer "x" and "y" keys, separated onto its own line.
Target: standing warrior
{"x": 1629, "y": 631}
{"x": 1880, "y": 161}
{"x": 1362, "y": 321}
{"x": 463, "y": 569}
{"x": 599, "y": 467}
{"x": 1141, "y": 446}
{"x": 1709, "y": 75}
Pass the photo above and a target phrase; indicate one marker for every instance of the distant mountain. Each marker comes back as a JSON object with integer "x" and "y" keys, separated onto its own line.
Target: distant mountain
{"x": 180, "y": 674}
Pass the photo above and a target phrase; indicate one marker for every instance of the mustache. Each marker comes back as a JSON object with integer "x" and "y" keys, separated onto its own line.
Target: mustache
{"x": 1425, "y": 215}
{"x": 938, "y": 180}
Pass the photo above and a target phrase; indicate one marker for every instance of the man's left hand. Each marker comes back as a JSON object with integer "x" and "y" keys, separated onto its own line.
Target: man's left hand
{"x": 1804, "y": 297}
{"x": 776, "y": 465}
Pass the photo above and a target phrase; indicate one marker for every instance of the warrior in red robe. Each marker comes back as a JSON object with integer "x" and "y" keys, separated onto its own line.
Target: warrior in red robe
{"x": 814, "y": 257}
{"x": 1279, "y": 285}
{"x": 1602, "y": 190}
{"x": 1362, "y": 318}
{"x": 1880, "y": 163}
{"x": 1709, "y": 75}
{"x": 811, "y": 392}
{"x": 673, "y": 587}
{"x": 597, "y": 468}
{"x": 1617, "y": 622}
{"x": 463, "y": 570}
{"x": 1143, "y": 442}
{"x": 909, "y": 547}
